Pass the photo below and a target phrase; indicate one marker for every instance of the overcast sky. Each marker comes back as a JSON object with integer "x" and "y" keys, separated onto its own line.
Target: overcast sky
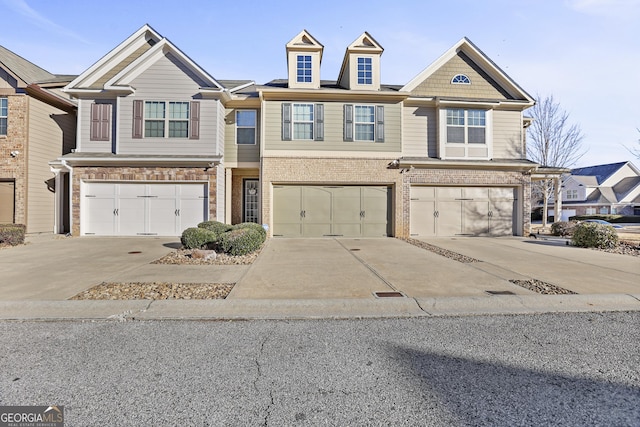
{"x": 586, "y": 53}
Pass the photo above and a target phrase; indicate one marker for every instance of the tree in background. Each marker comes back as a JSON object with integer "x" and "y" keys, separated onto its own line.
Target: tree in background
{"x": 635, "y": 151}
{"x": 552, "y": 141}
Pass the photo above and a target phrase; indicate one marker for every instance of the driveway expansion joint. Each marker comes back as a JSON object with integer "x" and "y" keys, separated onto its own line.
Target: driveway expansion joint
{"x": 371, "y": 269}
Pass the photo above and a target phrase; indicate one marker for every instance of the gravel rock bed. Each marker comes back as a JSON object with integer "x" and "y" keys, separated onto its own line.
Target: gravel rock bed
{"x": 624, "y": 248}
{"x": 542, "y": 287}
{"x": 191, "y": 257}
{"x": 155, "y": 291}
{"x": 441, "y": 251}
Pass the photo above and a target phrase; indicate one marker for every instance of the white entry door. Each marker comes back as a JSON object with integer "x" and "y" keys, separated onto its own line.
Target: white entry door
{"x": 138, "y": 209}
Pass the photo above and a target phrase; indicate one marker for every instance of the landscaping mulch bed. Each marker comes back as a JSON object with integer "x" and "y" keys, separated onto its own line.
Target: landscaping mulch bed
{"x": 155, "y": 291}
{"x": 542, "y": 287}
{"x": 198, "y": 257}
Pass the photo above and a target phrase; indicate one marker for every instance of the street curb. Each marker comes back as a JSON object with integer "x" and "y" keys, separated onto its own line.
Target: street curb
{"x": 289, "y": 309}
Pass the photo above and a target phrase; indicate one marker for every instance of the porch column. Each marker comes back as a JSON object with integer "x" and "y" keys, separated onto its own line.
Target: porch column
{"x": 557, "y": 214}
{"x": 227, "y": 194}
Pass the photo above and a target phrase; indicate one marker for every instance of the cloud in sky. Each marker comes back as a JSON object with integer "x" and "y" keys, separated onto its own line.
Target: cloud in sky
{"x": 21, "y": 7}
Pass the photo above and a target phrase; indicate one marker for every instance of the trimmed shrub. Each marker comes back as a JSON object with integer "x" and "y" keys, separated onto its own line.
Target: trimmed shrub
{"x": 562, "y": 228}
{"x": 216, "y": 227}
{"x": 241, "y": 241}
{"x": 12, "y": 234}
{"x": 594, "y": 235}
{"x": 252, "y": 226}
{"x": 197, "y": 238}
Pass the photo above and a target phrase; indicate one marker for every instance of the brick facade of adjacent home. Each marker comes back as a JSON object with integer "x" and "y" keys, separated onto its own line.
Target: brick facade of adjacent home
{"x": 15, "y": 168}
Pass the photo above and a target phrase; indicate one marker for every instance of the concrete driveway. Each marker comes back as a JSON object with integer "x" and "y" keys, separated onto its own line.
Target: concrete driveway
{"x": 318, "y": 269}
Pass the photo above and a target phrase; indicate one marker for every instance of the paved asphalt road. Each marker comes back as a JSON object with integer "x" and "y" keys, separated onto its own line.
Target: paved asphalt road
{"x": 556, "y": 369}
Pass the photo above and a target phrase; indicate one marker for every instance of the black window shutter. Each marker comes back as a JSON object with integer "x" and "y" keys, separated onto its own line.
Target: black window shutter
{"x": 318, "y": 125}
{"x": 286, "y": 122}
{"x": 348, "y": 122}
{"x": 379, "y": 123}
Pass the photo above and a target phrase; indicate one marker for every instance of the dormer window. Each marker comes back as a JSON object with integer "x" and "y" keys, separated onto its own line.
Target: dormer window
{"x": 304, "y": 69}
{"x": 460, "y": 79}
{"x": 365, "y": 76}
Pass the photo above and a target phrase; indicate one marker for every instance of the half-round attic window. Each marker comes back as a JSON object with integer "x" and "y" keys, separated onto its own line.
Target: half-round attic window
{"x": 460, "y": 79}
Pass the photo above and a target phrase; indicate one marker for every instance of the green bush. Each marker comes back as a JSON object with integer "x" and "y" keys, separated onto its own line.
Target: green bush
{"x": 253, "y": 226}
{"x": 198, "y": 238}
{"x": 12, "y": 234}
{"x": 216, "y": 227}
{"x": 241, "y": 240}
{"x": 594, "y": 235}
{"x": 562, "y": 228}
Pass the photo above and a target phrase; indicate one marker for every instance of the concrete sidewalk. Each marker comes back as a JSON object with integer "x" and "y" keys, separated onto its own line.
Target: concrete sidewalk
{"x": 317, "y": 278}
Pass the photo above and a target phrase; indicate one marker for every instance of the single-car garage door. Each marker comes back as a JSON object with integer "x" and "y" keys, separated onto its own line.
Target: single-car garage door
{"x": 7, "y": 202}
{"x": 138, "y": 209}
{"x": 462, "y": 211}
{"x": 323, "y": 211}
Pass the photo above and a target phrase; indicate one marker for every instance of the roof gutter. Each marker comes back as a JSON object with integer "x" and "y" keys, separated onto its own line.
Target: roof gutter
{"x": 51, "y": 98}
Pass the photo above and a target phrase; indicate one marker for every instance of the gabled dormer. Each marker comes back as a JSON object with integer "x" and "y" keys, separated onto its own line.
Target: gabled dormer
{"x": 304, "y": 55}
{"x": 361, "y": 65}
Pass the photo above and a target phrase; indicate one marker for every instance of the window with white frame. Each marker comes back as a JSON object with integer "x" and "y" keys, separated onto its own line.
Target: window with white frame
{"x": 302, "y": 121}
{"x": 160, "y": 123}
{"x": 364, "y": 121}
{"x": 304, "y": 69}
{"x": 4, "y": 114}
{"x": 572, "y": 194}
{"x": 365, "y": 71}
{"x": 591, "y": 211}
{"x": 246, "y": 127}
{"x": 466, "y": 126}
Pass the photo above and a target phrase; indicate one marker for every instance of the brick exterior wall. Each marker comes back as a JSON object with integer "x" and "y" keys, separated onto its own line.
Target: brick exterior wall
{"x": 462, "y": 177}
{"x": 337, "y": 171}
{"x": 139, "y": 174}
{"x": 15, "y": 168}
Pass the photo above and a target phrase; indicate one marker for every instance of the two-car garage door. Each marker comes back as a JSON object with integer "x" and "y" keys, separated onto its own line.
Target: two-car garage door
{"x": 462, "y": 211}
{"x": 323, "y": 211}
{"x": 135, "y": 209}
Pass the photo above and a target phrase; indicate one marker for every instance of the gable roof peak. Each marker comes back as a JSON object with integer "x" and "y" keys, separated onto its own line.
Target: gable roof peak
{"x": 304, "y": 39}
{"x": 365, "y": 41}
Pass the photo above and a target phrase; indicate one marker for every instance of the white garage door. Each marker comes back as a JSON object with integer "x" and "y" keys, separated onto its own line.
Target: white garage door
{"x": 139, "y": 209}
{"x": 462, "y": 211}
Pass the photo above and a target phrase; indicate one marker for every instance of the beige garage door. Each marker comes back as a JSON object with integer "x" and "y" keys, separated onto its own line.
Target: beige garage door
{"x": 7, "y": 202}
{"x": 324, "y": 211}
{"x": 462, "y": 211}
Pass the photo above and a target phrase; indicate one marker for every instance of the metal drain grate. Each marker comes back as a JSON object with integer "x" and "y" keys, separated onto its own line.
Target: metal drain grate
{"x": 134, "y": 252}
{"x": 354, "y": 250}
{"x": 500, "y": 292}
{"x": 389, "y": 294}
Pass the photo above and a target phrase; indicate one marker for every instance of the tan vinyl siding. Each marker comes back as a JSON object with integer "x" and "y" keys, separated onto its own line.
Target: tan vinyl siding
{"x": 439, "y": 83}
{"x": 420, "y": 132}
{"x": 99, "y": 84}
{"x": 167, "y": 80}
{"x": 333, "y": 130}
{"x": 51, "y": 132}
{"x": 239, "y": 153}
{"x": 507, "y": 135}
{"x": 86, "y": 145}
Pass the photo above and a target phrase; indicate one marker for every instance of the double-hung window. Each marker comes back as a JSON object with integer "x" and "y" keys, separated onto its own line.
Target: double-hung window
{"x": 162, "y": 122}
{"x": 303, "y": 69}
{"x": 365, "y": 122}
{"x": 302, "y": 121}
{"x": 572, "y": 194}
{"x": 4, "y": 115}
{"x": 365, "y": 76}
{"x": 246, "y": 127}
{"x": 466, "y": 126}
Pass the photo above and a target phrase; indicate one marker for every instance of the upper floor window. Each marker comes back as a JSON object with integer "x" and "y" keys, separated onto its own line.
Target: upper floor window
{"x": 246, "y": 126}
{"x": 157, "y": 120}
{"x": 365, "y": 116}
{"x": 364, "y": 71}
{"x": 460, "y": 79}
{"x": 572, "y": 194}
{"x": 4, "y": 114}
{"x": 466, "y": 126}
{"x": 304, "y": 69}
{"x": 302, "y": 121}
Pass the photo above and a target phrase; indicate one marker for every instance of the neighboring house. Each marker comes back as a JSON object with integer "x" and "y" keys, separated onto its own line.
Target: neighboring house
{"x": 37, "y": 124}
{"x": 601, "y": 190}
{"x": 162, "y": 145}
{"x": 150, "y": 142}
